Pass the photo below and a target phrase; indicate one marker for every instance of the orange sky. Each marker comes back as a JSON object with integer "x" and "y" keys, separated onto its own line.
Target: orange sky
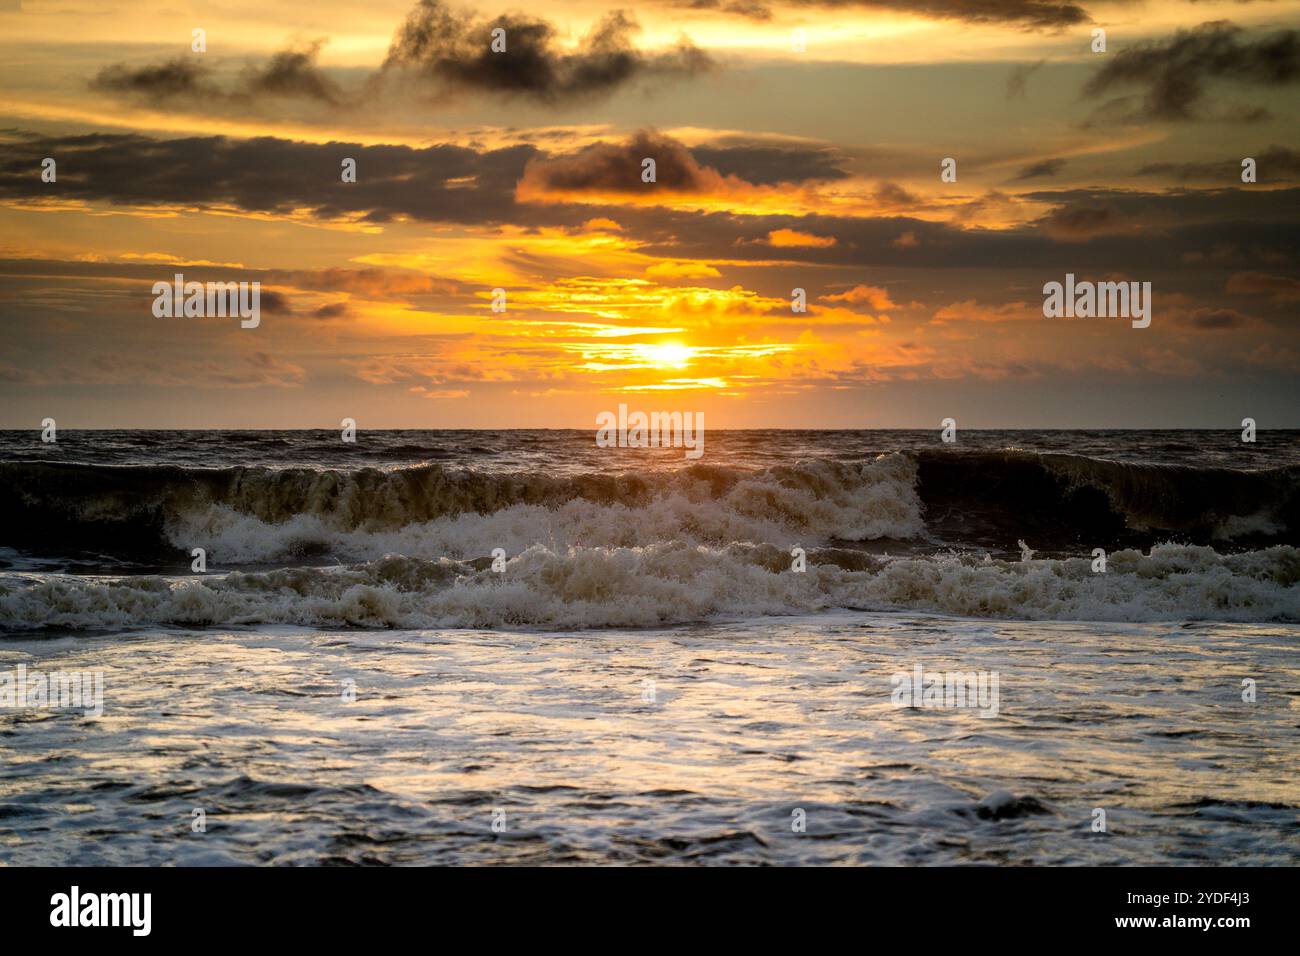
{"x": 777, "y": 169}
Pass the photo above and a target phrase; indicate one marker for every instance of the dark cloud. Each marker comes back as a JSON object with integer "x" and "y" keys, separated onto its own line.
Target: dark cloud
{"x": 1281, "y": 288}
{"x": 1185, "y": 207}
{"x": 1039, "y": 170}
{"x": 616, "y": 168}
{"x": 1031, "y": 14}
{"x": 367, "y": 283}
{"x": 335, "y": 310}
{"x": 1019, "y": 78}
{"x": 275, "y": 303}
{"x": 131, "y": 282}
{"x": 1231, "y": 229}
{"x": 289, "y": 74}
{"x": 1276, "y": 163}
{"x": 436, "y": 183}
{"x": 453, "y": 49}
{"x": 181, "y": 77}
{"x": 894, "y": 195}
{"x": 293, "y": 73}
{"x": 769, "y": 165}
{"x": 1251, "y": 224}
{"x": 1077, "y": 221}
{"x": 448, "y": 47}
{"x": 755, "y": 10}
{"x": 1215, "y": 319}
{"x": 1174, "y": 72}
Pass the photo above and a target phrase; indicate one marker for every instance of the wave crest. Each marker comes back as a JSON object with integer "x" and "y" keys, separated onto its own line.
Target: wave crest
{"x": 673, "y": 583}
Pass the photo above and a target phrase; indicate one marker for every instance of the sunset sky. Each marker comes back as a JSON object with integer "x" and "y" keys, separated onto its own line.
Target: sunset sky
{"x": 776, "y": 168}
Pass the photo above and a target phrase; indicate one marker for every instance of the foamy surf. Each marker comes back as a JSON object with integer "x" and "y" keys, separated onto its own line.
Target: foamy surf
{"x": 311, "y": 539}
{"x": 957, "y": 499}
{"x": 671, "y": 583}
{"x": 812, "y": 503}
{"x": 745, "y": 722}
{"x": 644, "y": 673}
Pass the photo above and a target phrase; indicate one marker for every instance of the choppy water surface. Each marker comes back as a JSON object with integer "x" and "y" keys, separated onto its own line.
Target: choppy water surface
{"x": 749, "y": 722}
{"x": 520, "y": 688}
{"x": 399, "y": 529}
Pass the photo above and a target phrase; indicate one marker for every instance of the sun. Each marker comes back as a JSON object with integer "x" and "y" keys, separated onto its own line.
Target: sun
{"x": 669, "y": 355}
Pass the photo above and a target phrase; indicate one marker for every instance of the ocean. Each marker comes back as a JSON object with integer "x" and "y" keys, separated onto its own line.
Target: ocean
{"x": 443, "y": 647}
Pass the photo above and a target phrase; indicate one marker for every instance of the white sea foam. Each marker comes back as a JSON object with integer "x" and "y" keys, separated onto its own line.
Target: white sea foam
{"x": 670, "y": 583}
{"x": 808, "y": 504}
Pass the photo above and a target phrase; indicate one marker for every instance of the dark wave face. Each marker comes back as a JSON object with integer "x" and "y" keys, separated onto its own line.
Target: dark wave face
{"x": 951, "y": 498}
{"x": 410, "y": 522}
{"x": 1065, "y": 500}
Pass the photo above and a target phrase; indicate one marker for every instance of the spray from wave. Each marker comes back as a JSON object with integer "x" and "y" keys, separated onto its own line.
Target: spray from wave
{"x": 255, "y": 515}
{"x": 962, "y": 499}
{"x": 411, "y": 546}
{"x": 672, "y": 584}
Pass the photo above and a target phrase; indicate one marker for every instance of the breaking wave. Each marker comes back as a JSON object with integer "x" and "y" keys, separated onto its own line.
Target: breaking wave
{"x": 245, "y": 515}
{"x": 671, "y": 583}
{"x": 411, "y": 546}
{"x": 256, "y": 515}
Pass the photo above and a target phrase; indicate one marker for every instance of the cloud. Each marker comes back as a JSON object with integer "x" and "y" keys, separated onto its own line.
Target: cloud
{"x": 1019, "y": 78}
{"x": 892, "y": 195}
{"x": 436, "y": 393}
{"x": 128, "y": 368}
{"x": 259, "y": 371}
{"x": 1254, "y": 223}
{"x": 452, "y": 48}
{"x": 458, "y": 185}
{"x": 786, "y": 238}
{"x": 367, "y": 283}
{"x": 441, "y": 183}
{"x": 1075, "y": 222}
{"x": 283, "y": 291}
{"x": 1215, "y": 319}
{"x": 604, "y": 168}
{"x": 681, "y": 270}
{"x": 181, "y": 77}
{"x": 290, "y": 73}
{"x": 771, "y": 165}
{"x": 1030, "y": 14}
{"x": 1046, "y": 167}
{"x": 293, "y": 73}
{"x": 1273, "y": 356}
{"x": 873, "y": 296}
{"x": 1281, "y": 288}
{"x": 334, "y": 310}
{"x": 973, "y": 311}
{"x": 275, "y": 303}
{"x": 1276, "y": 163}
{"x": 449, "y": 48}
{"x": 1174, "y": 73}
{"x": 755, "y": 10}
